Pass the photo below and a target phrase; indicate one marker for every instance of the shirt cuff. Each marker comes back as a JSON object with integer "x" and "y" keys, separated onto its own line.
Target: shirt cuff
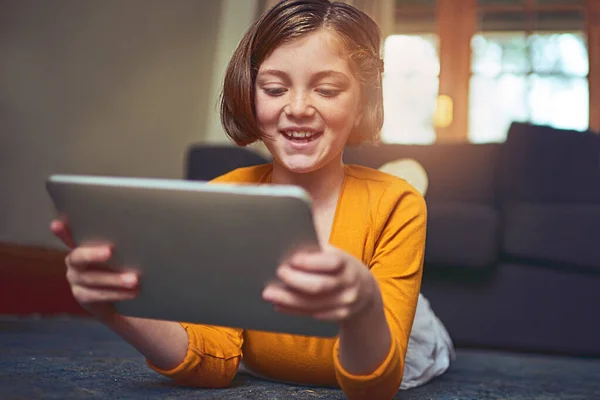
{"x": 192, "y": 358}
{"x": 388, "y": 372}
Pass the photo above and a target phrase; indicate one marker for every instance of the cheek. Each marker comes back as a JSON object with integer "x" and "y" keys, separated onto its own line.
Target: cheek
{"x": 267, "y": 110}
{"x": 341, "y": 115}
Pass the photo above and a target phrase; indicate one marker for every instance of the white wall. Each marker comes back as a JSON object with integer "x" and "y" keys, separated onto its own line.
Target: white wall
{"x": 236, "y": 17}
{"x": 107, "y": 87}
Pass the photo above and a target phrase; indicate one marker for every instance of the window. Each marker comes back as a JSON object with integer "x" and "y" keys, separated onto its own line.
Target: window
{"x": 494, "y": 62}
{"x": 529, "y": 63}
{"x": 410, "y": 88}
{"x": 540, "y": 78}
{"x": 411, "y": 76}
{"x": 558, "y": 86}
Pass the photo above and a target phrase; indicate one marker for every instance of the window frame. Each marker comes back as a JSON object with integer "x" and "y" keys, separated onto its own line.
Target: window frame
{"x": 456, "y": 22}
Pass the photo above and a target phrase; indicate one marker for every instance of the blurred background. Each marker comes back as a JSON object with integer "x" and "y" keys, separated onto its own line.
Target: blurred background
{"x": 497, "y": 101}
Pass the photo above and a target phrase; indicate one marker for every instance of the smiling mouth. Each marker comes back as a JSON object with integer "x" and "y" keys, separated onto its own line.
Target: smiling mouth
{"x": 299, "y": 136}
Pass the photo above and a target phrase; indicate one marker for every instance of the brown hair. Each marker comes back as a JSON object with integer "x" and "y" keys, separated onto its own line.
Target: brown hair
{"x": 286, "y": 21}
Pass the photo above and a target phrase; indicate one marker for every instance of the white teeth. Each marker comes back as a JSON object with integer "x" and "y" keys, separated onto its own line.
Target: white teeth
{"x": 298, "y": 134}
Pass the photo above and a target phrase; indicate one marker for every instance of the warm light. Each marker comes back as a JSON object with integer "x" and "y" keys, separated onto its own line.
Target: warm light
{"x": 444, "y": 111}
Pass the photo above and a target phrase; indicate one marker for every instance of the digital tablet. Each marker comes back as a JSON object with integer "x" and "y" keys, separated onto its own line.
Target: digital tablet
{"x": 204, "y": 251}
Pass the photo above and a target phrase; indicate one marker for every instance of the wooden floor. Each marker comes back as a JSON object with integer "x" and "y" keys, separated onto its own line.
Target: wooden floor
{"x": 32, "y": 281}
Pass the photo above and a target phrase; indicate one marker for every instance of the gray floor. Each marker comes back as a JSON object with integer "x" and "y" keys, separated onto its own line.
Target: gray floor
{"x": 78, "y": 358}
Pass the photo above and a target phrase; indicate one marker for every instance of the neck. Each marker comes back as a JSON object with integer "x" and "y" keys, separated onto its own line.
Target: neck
{"x": 323, "y": 185}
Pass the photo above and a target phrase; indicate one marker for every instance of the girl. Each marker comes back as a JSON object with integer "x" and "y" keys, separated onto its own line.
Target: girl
{"x": 305, "y": 80}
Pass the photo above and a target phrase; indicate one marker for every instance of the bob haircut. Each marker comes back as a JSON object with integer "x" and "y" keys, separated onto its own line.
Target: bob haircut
{"x": 289, "y": 20}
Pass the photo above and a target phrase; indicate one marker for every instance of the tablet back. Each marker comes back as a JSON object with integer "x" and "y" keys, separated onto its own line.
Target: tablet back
{"x": 204, "y": 251}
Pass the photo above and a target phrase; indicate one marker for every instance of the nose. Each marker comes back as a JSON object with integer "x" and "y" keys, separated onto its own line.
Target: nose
{"x": 299, "y": 105}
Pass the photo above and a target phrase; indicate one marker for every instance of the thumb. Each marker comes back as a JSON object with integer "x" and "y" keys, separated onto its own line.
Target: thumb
{"x": 60, "y": 228}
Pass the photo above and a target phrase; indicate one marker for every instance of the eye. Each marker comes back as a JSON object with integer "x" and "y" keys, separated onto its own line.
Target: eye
{"x": 328, "y": 92}
{"x": 275, "y": 91}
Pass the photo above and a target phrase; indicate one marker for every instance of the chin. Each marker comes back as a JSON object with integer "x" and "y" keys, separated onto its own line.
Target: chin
{"x": 300, "y": 165}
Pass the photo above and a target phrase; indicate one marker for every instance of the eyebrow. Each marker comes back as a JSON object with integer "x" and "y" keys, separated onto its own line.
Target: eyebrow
{"x": 274, "y": 72}
{"x": 318, "y": 76}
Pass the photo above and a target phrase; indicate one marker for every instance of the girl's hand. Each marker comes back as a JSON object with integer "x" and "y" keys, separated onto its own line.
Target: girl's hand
{"x": 93, "y": 284}
{"x": 328, "y": 284}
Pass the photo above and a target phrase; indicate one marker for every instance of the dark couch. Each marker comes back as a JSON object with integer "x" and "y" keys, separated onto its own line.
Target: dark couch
{"x": 513, "y": 246}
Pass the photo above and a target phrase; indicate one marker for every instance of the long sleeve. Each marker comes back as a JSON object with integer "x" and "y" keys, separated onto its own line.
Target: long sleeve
{"x": 397, "y": 265}
{"x": 213, "y": 357}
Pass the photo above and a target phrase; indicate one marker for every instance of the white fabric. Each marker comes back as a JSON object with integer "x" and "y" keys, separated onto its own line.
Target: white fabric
{"x": 430, "y": 349}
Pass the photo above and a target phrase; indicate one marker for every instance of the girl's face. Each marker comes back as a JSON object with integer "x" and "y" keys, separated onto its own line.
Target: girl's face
{"x": 307, "y": 102}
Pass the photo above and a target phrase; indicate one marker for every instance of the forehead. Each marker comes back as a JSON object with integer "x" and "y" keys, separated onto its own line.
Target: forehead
{"x": 316, "y": 50}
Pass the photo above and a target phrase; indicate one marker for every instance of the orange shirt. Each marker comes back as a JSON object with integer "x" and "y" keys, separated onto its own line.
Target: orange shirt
{"x": 380, "y": 220}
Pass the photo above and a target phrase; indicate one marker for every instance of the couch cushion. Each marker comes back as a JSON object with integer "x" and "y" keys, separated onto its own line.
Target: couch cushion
{"x": 465, "y": 235}
{"x": 546, "y": 165}
{"x": 457, "y": 172}
{"x": 519, "y": 306}
{"x": 560, "y": 234}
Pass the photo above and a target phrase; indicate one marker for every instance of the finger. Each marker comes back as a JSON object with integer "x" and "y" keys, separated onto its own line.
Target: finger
{"x": 335, "y": 315}
{"x": 309, "y": 283}
{"x": 102, "y": 279}
{"x": 86, "y": 295}
{"x": 321, "y": 262}
{"x": 61, "y": 229}
{"x": 338, "y": 314}
{"x": 87, "y": 255}
{"x": 285, "y": 297}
